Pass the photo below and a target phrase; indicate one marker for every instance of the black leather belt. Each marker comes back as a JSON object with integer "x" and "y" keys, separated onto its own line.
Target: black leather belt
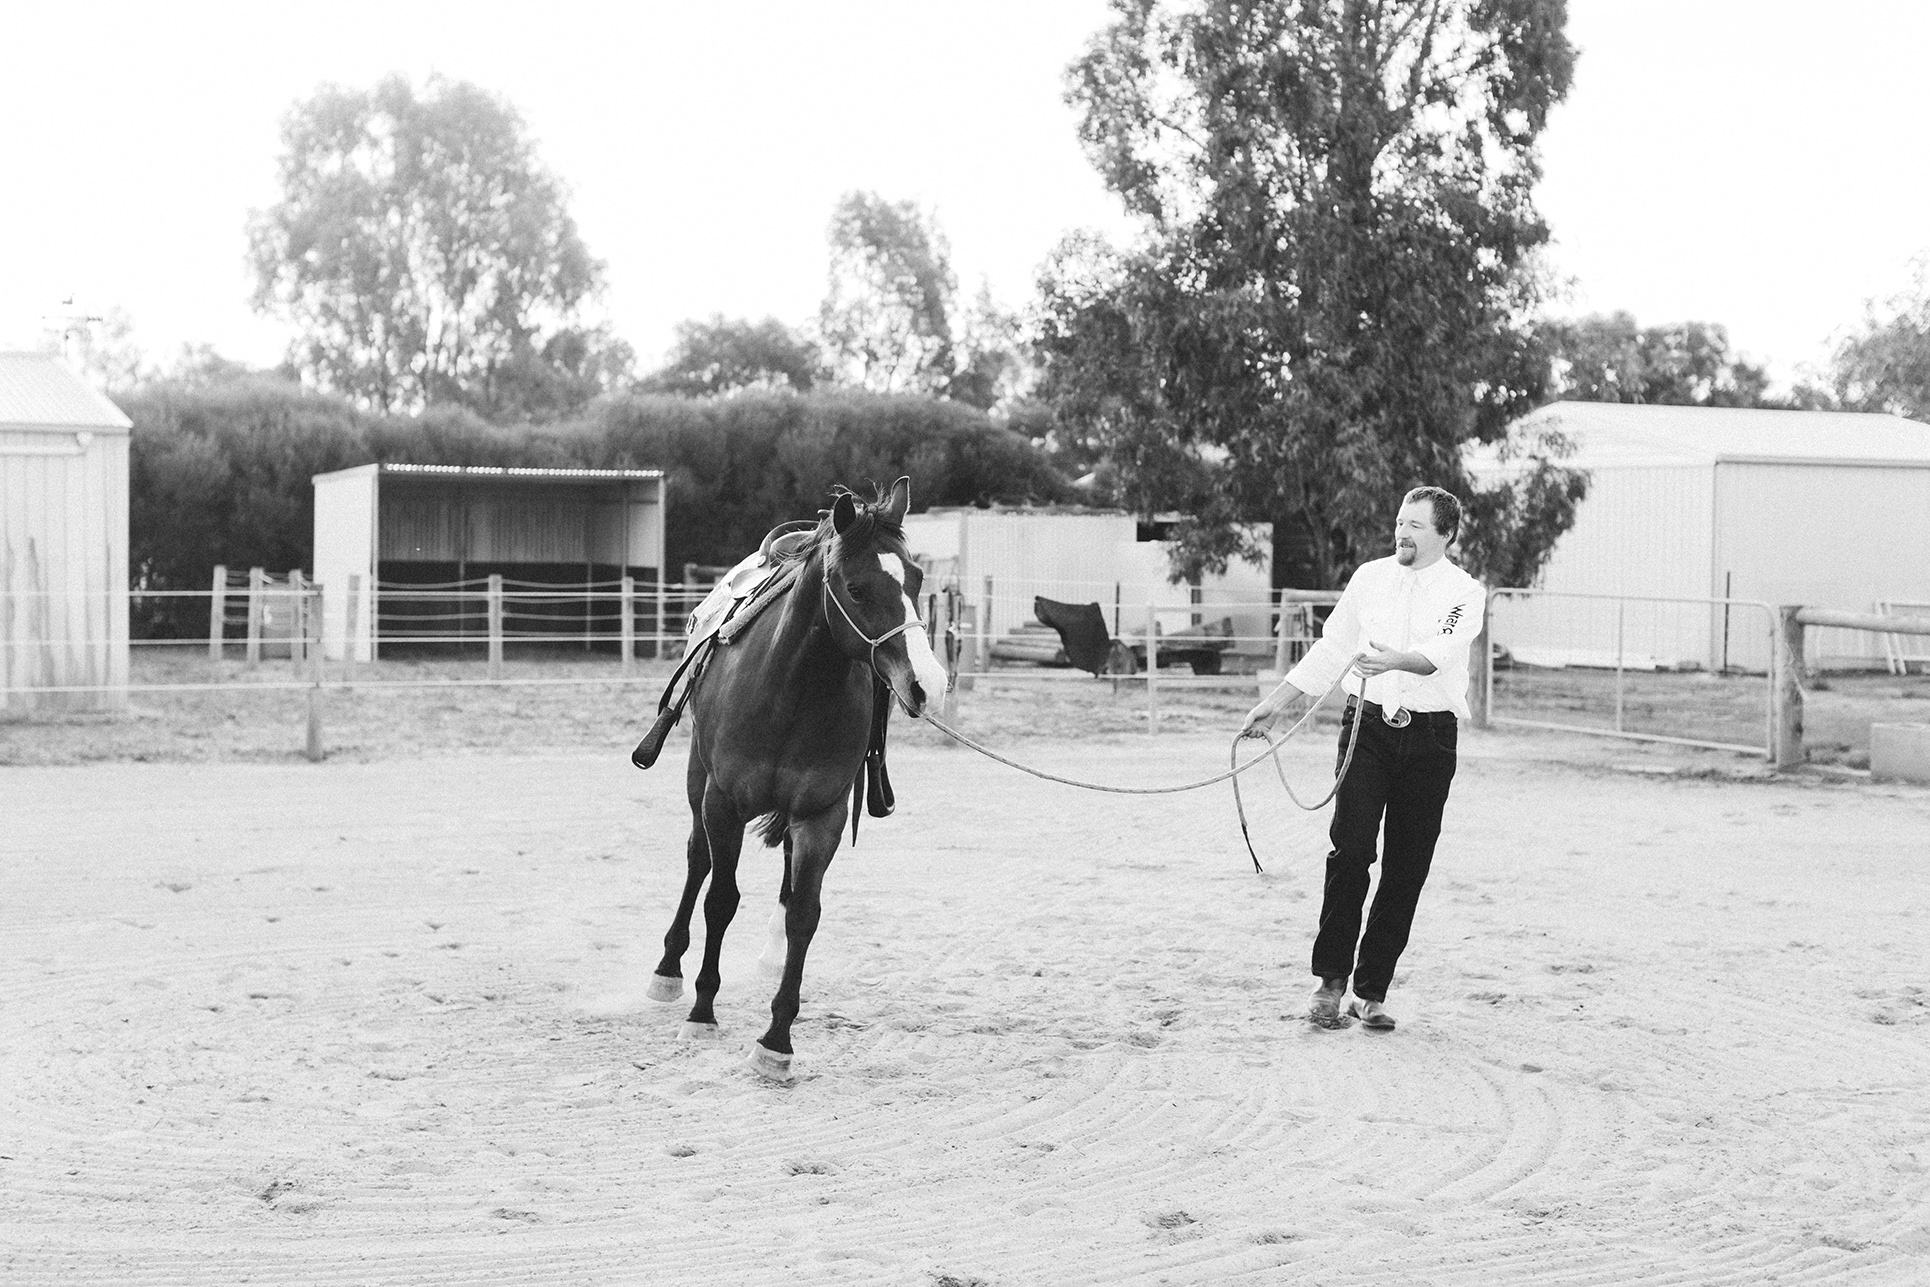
{"x": 1421, "y": 718}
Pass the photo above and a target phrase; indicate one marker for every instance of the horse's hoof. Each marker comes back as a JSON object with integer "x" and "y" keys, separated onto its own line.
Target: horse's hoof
{"x": 698, "y": 1031}
{"x": 768, "y": 1063}
{"x": 664, "y": 987}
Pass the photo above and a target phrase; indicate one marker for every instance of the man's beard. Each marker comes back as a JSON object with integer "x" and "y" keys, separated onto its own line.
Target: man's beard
{"x": 1405, "y": 554}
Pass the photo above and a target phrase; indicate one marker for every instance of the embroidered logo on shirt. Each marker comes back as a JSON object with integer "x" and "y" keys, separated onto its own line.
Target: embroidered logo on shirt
{"x": 1451, "y": 620}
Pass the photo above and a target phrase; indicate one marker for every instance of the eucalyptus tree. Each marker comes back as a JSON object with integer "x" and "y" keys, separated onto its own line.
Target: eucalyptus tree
{"x": 1332, "y": 288}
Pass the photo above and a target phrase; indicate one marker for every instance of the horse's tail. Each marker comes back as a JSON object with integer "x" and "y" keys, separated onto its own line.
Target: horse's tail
{"x": 772, "y": 826}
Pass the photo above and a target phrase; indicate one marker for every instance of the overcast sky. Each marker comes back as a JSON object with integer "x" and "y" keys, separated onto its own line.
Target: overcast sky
{"x": 1756, "y": 164}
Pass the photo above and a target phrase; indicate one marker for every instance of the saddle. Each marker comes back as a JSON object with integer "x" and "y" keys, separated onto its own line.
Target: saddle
{"x": 748, "y": 589}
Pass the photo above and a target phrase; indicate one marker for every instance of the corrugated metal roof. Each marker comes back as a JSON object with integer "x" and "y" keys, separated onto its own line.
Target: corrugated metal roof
{"x": 39, "y": 391}
{"x": 1608, "y": 434}
{"x": 518, "y": 471}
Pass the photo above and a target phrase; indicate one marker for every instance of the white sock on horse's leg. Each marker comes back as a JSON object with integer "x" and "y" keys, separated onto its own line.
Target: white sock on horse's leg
{"x": 698, "y": 1031}
{"x": 771, "y": 960}
{"x": 664, "y": 987}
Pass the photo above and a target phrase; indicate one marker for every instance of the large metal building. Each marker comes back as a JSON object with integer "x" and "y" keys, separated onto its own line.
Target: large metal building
{"x": 1713, "y": 503}
{"x": 63, "y": 539}
{"x": 400, "y": 548}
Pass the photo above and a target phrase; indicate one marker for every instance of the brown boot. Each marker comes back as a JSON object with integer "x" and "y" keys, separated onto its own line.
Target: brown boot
{"x": 1371, "y": 1015}
{"x": 1325, "y": 1009}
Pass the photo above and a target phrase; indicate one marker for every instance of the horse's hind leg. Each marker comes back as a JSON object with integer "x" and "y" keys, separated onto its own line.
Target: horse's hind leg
{"x": 815, "y": 841}
{"x": 667, "y": 984}
{"x": 724, "y": 829}
{"x": 771, "y": 959}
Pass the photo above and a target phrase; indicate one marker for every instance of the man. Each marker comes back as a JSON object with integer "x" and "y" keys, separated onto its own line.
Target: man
{"x": 1400, "y": 634}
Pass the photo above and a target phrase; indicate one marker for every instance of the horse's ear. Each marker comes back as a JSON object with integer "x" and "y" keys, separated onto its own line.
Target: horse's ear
{"x": 843, "y": 513}
{"x": 898, "y": 502}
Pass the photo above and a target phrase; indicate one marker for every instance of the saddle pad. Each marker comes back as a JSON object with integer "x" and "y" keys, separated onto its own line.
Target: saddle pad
{"x": 1082, "y": 631}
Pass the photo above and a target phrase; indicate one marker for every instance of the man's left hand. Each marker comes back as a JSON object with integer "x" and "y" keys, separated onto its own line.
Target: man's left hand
{"x": 1379, "y": 659}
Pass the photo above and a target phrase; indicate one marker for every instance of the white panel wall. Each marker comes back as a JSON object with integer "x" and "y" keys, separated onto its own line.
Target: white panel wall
{"x": 1081, "y": 558}
{"x": 345, "y": 508}
{"x": 1642, "y": 530}
{"x": 63, "y": 567}
{"x": 1830, "y": 536}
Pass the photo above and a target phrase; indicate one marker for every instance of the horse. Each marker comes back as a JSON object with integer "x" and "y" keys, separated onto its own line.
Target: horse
{"x": 783, "y": 716}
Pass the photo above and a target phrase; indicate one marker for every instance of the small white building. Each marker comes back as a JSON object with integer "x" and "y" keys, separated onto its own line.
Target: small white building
{"x": 1706, "y": 503}
{"x": 63, "y": 539}
{"x": 1108, "y": 557}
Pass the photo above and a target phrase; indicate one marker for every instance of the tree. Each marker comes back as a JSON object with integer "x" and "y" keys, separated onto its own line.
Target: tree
{"x": 886, "y": 317}
{"x": 720, "y": 356}
{"x": 420, "y": 248}
{"x": 1608, "y": 358}
{"x": 1885, "y": 366}
{"x": 1330, "y": 295}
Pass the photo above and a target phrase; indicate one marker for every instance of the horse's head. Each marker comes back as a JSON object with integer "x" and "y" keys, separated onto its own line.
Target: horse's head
{"x": 872, "y": 587}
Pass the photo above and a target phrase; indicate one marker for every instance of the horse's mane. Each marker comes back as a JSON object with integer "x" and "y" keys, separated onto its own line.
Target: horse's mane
{"x": 871, "y": 527}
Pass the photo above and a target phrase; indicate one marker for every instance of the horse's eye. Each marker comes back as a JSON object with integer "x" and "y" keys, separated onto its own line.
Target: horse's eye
{"x": 859, "y": 593}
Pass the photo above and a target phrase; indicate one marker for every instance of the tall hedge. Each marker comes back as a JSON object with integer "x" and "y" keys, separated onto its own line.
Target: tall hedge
{"x": 222, "y": 473}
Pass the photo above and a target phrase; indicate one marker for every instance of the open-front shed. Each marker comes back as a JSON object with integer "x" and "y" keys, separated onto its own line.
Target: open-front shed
{"x": 403, "y": 551}
{"x": 63, "y": 540}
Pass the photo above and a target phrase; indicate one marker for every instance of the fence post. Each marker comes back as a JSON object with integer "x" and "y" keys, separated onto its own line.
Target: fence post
{"x": 1152, "y": 671}
{"x": 1787, "y": 695}
{"x": 985, "y": 628}
{"x": 312, "y": 640}
{"x": 657, "y": 635}
{"x": 351, "y": 619}
{"x": 627, "y": 622}
{"x": 1481, "y": 683}
{"x": 1280, "y": 646}
{"x": 495, "y": 625}
{"x": 257, "y": 591}
{"x": 217, "y": 611}
{"x": 1621, "y": 620}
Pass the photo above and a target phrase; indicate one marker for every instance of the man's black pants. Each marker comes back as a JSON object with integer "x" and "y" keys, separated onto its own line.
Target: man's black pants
{"x": 1402, "y": 774}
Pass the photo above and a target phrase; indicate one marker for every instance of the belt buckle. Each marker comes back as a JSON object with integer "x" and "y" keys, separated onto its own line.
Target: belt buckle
{"x": 1399, "y": 717}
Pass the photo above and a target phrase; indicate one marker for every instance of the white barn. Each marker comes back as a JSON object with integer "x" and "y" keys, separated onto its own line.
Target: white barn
{"x": 1805, "y": 507}
{"x": 1108, "y": 557}
{"x": 63, "y": 539}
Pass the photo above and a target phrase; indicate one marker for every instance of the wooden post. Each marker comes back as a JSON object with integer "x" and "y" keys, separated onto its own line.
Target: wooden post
{"x": 1786, "y": 749}
{"x": 311, "y": 618}
{"x": 1281, "y": 652}
{"x": 351, "y": 620}
{"x": 257, "y": 605}
{"x": 984, "y": 657}
{"x": 217, "y": 611}
{"x": 627, "y": 622}
{"x": 1621, "y": 621}
{"x": 298, "y": 615}
{"x": 1152, "y": 672}
{"x": 657, "y": 635}
{"x": 1481, "y": 670}
{"x": 495, "y": 625}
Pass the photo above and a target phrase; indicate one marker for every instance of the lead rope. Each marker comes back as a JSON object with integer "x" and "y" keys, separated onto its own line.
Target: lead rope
{"x": 1233, "y": 772}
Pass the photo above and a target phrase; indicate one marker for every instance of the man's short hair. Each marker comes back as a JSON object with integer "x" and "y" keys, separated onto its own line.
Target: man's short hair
{"x": 1446, "y": 506}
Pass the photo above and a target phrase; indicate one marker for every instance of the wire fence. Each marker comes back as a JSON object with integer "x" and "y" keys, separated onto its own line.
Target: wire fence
{"x": 1698, "y": 672}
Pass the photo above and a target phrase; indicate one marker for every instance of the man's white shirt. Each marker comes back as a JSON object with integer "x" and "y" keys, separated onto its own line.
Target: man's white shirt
{"x": 1436, "y": 612}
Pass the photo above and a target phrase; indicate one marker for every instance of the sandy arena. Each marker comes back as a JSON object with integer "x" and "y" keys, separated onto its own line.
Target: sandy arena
{"x": 382, "y": 1023}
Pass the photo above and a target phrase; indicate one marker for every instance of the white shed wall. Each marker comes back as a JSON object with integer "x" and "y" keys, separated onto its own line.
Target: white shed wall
{"x": 1082, "y": 558}
{"x": 345, "y": 509}
{"x": 1825, "y": 535}
{"x": 63, "y": 567}
{"x": 1642, "y": 530}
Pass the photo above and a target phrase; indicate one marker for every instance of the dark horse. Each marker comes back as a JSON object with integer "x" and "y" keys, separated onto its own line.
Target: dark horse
{"x": 781, "y": 720}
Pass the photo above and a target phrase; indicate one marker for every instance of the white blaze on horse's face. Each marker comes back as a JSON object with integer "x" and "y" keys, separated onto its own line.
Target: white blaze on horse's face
{"x": 931, "y": 676}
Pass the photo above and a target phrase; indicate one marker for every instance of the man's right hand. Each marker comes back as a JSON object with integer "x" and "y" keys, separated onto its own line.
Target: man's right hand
{"x": 1262, "y": 717}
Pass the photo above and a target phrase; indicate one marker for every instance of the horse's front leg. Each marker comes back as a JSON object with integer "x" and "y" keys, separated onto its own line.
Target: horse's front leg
{"x": 724, "y": 830}
{"x": 814, "y": 841}
{"x": 667, "y": 984}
